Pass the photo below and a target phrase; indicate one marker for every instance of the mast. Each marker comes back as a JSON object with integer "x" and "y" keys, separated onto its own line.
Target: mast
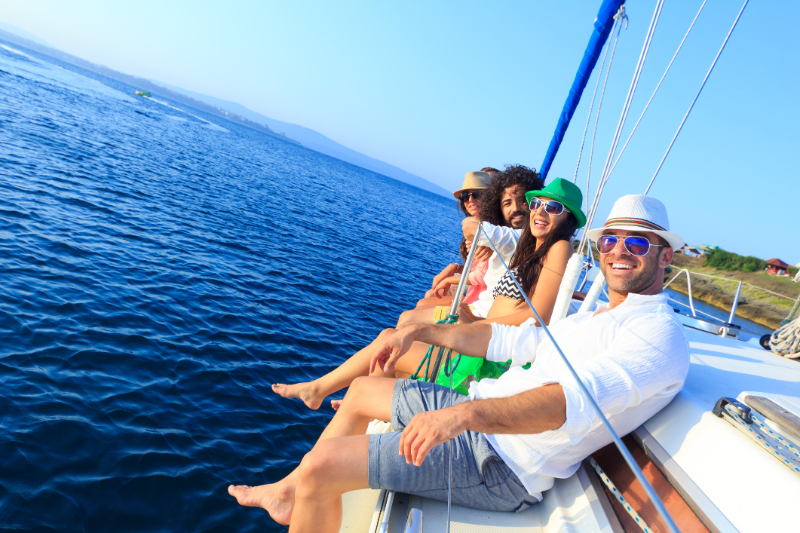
{"x": 602, "y": 28}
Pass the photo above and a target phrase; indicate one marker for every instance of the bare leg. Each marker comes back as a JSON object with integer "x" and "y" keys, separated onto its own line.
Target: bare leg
{"x": 434, "y": 301}
{"x": 334, "y": 467}
{"x": 367, "y": 399}
{"x": 313, "y": 392}
{"x": 420, "y": 314}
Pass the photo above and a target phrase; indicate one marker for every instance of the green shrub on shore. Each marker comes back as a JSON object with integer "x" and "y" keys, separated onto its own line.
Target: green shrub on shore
{"x": 723, "y": 260}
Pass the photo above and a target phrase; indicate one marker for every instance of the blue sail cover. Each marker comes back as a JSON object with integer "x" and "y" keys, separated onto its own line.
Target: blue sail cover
{"x": 602, "y": 27}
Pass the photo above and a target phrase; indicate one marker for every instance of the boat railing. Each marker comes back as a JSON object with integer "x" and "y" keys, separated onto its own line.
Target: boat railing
{"x": 727, "y": 329}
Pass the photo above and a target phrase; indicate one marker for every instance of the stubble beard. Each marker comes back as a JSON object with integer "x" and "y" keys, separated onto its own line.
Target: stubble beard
{"x": 638, "y": 284}
{"x": 522, "y": 220}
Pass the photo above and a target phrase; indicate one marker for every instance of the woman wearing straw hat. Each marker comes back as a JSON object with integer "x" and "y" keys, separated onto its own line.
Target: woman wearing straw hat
{"x": 539, "y": 263}
{"x": 469, "y": 203}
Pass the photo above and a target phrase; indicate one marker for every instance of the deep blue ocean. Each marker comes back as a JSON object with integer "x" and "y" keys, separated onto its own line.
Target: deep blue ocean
{"x": 160, "y": 269}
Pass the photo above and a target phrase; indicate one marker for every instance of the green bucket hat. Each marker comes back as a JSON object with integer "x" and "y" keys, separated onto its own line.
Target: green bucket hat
{"x": 565, "y": 192}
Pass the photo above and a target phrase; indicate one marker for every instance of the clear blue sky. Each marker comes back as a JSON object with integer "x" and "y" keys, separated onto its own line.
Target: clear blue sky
{"x": 441, "y": 88}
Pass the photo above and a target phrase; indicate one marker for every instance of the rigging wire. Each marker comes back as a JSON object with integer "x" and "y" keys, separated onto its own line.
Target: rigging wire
{"x": 697, "y": 95}
{"x": 600, "y": 105}
{"x": 623, "y": 116}
{"x": 626, "y": 454}
{"x": 594, "y": 94}
{"x": 657, "y": 87}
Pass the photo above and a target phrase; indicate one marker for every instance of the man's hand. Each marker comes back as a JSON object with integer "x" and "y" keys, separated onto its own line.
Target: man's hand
{"x": 448, "y": 271}
{"x": 393, "y": 348}
{"x": 429, "y": 429}
{"x": 482, "y": 253}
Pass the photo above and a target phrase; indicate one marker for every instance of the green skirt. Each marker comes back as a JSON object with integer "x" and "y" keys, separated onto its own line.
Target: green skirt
{"x": 469, "y": 369}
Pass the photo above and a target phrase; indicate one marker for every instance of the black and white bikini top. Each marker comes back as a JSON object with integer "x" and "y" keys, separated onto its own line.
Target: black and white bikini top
{"x": 506, "y": 287}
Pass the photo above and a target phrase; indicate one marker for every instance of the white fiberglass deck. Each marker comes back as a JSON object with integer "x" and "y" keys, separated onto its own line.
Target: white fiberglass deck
{"x": 753, "y": 490}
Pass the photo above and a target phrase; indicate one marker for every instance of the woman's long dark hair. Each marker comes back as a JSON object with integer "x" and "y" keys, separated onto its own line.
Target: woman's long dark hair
{"x": 528, "y": 260}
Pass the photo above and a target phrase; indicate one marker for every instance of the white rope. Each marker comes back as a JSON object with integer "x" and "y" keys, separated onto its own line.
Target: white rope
{"x": 621, "y": 123}
{"x": 657, "y": 87}
{"x": 785, "y": 341}
{"x": 696, "y": 96}
{"x": 618, "y": 495}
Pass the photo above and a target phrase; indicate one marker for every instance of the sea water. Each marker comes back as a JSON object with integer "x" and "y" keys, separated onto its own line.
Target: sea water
{"x": 160, "y": 268}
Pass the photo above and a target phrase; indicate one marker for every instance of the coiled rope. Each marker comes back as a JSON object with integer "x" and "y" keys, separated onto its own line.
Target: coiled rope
{"x": 450, "y": 319}
{"x": 785, "y": 341}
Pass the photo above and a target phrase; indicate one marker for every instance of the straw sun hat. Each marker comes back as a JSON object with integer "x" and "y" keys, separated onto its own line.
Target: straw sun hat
{"x": 474, "y": 180}
{"x": 637, "y": 212}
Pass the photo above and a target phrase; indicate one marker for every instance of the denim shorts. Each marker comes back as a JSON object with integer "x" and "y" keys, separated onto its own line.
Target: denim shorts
{"x": 481, "y": 480}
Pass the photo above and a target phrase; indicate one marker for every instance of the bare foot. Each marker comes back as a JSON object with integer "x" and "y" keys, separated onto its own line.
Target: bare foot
{"x": 336, "y": 404}
{"x": 275, "y": 499}
{"x": 305, "y": 391}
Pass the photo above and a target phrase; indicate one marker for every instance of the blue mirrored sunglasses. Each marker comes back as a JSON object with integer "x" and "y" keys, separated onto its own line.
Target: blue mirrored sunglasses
{"x": 638, "y": 246}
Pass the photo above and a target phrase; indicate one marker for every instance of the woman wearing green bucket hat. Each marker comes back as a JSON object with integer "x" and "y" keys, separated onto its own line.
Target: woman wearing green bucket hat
{"x": 538, "y": 265}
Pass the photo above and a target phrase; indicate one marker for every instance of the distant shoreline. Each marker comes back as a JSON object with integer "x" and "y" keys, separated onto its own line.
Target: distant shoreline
{"x": 758, "y": 306}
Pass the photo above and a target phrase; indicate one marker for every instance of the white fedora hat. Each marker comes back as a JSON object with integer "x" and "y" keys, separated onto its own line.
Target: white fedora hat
{"x": 637, "y": 212}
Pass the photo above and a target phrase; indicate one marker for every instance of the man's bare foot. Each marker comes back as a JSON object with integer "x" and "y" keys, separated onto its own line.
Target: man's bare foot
{"x": 277, "y": 500}
{"x": 305, "y": 391}
{"x": 336, "y": 404}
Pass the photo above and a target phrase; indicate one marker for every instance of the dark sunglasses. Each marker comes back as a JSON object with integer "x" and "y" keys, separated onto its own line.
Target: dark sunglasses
{"x": 638, "y": 246}
{"x": 466, "y": 194}
{"x": 550, "y": 207}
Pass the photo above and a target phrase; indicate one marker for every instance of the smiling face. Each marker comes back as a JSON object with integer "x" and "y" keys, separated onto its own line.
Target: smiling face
{"x": 514, "y": 207}
{"x": 473, "y": 205}
{"x": 543, "y": 223}
{"x": 626, "y": 273}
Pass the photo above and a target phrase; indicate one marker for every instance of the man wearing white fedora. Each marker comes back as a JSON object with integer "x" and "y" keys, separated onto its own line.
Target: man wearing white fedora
{"x": 514, "y": 435}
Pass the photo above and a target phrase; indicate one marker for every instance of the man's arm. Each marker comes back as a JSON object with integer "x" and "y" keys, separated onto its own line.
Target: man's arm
{"x": 468, "y": 339}
{"x": 648, "y": 361}
{"x": 504, "y": 238}
{"x": 534, "y": 411}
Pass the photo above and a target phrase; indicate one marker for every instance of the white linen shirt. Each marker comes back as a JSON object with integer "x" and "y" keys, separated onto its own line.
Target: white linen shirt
{"x": 633, "y": 359}
{"x": 505, "y": 240}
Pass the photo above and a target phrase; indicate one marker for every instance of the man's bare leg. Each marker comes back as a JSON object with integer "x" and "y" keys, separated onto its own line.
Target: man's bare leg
{"x": 367, "y": 399}
{"x": 334, "y": 467}
{"x": 313, "y": 392}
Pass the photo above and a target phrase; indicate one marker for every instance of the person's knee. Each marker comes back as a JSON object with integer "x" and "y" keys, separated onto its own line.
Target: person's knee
{"x": 387, "y": 332}
{"x": 317, "y": 469}
{"x": 405, "y": 316}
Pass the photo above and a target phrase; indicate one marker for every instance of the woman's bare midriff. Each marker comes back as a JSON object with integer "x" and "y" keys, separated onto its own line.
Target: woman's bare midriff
{"x": 502, "y": 306}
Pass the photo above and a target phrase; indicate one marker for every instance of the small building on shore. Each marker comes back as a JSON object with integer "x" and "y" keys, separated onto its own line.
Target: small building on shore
{"x": 691, "y": 251}
{"x": 776, "y": 267}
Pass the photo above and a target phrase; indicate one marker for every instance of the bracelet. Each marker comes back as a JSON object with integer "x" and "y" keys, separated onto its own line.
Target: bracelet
{"x": 459, "y": 269}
